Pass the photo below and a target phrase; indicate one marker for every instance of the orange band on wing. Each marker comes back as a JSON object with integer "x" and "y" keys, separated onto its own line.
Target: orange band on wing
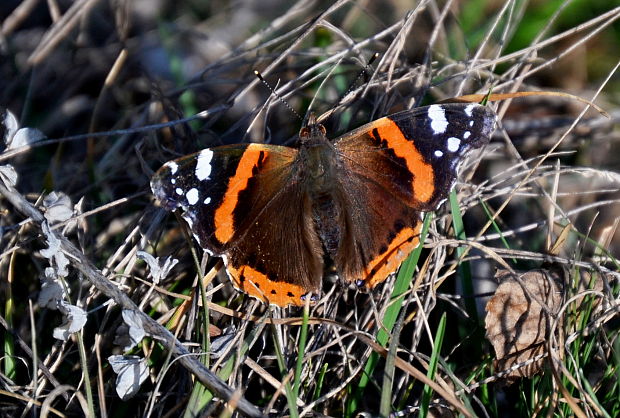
{"x": 423, "y": 176}
{"x": 224, "y": 216}
{"x": 258, "y": 285}
{"x": 386, "y": 263}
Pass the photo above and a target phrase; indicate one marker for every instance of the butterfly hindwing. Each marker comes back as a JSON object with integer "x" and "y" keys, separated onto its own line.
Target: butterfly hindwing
{"x": 380, "y": 231}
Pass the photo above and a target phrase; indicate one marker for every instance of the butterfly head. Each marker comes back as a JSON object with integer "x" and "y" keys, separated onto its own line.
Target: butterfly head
{"x": 313, "y": 132}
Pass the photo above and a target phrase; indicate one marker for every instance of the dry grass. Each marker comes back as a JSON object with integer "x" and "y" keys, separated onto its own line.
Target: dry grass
{"x": 120, "y": 87}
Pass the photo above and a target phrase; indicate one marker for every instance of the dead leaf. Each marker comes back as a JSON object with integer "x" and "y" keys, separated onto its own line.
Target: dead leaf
{"x": 58, "y": 207}
{"x": 517, "y": 324}
{"x": 132, "y": 371}
{"x": 74, "y": 320}
{"x": 8, "y": 175}
{"x": 131, "y": 332}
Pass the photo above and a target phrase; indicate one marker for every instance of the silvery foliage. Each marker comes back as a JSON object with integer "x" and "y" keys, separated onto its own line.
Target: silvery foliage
{"x": 16, "y": 137}
{"x": 53, "y": 292}
{"x": 131, "y": 372}
{"x": 158, "y": 268}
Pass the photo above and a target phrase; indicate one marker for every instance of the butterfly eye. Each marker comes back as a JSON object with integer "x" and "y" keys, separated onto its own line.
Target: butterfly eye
{"x": 304, "y": 132}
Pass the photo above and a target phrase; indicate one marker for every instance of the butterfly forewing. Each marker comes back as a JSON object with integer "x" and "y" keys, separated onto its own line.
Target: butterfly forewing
{"x": 415, "y": 154}
{"x": 444, "y": 138}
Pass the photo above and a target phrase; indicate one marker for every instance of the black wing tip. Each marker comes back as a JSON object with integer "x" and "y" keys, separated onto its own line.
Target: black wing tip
{"x": 163, "y": 190}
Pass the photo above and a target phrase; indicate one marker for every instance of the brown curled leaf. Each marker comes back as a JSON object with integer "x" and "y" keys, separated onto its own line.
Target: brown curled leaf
{"x": 519, "y": 317}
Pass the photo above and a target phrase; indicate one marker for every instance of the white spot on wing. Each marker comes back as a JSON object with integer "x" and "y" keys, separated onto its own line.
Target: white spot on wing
{"x": 466, "y": 135}
{"x": 453, "y": 144}
{"x": 207, "y": 201}
{"x": 469, "y": 109}
{"x": 438, "y": 153}
{"x": 471, "y": 123}
{"x": 203, "y": 165}
{"x": 438, "y": 119}
{"x": 172, "y": 166}
{"x": 179, "y": 191}
{"x": 173, "y": 181}
{"x": 192, "y": 196}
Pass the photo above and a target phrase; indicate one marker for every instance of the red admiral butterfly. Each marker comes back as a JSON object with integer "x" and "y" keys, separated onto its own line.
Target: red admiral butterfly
{"x": 282, "y": 217}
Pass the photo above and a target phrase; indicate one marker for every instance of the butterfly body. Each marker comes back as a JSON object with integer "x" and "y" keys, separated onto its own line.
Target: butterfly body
{"x": 282, "y": 217}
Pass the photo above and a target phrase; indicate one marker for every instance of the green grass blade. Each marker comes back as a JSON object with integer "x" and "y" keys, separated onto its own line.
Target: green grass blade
{"x": 496, "y": 228}
{"x": 8, "y": 342}
{"x": 320, "y": 380}
{"x": 432, "y": 367}
{"x": 302, "y": 348}
{"x": 288, "y": 390}
{"x": 464, "y": 267}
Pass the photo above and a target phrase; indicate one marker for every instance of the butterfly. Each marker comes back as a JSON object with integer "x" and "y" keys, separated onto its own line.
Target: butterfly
{"x": 283, "y": 217}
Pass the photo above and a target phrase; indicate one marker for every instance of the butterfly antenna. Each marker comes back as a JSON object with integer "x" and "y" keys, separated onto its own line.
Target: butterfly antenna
{"x": 280, "y": 98}
{"x": 364, "y": 71}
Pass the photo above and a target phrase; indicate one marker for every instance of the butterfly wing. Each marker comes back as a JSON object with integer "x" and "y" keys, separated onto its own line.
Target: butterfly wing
{"x": 397, "y": 167}
{"x": 232, "y": 197}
